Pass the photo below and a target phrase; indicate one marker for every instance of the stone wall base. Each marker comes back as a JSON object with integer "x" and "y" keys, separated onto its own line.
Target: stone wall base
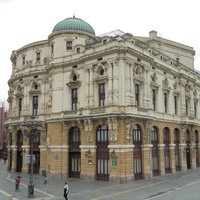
{"x": 147, "y": 175}
{"x": 57, "y": 174}
{"x": 85, "y": 176}
{"x": 121, "y": 179}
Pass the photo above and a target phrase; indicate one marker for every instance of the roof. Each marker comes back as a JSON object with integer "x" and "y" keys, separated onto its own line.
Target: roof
{"x": 74, "y": 23}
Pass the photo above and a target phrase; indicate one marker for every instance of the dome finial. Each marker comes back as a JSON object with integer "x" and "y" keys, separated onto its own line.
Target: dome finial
{"x": 74, "y": 15}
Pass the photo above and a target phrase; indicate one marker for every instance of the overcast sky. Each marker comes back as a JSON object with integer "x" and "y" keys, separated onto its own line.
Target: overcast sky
{"x": 26, "y": 21}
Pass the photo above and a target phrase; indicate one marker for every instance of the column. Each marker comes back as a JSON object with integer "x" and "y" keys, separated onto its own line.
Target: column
{"x": 91, "y": 87}
{"x": 172, "y": 158}
{"x": 146, "y": 160}
{"x": 87, "y": 83}
{"x": 161, "y": 159}
{"x": 145, "y": 103}
{"x": 131, "y": 85}
{"x": 110, "y": 83}
{"x": 115, "y": 80}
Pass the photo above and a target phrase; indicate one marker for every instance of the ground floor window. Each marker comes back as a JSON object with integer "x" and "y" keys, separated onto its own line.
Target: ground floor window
{"x": 103, "y": 166}
{"x": 137, "y": 165}
{"x": 154, "y": 163}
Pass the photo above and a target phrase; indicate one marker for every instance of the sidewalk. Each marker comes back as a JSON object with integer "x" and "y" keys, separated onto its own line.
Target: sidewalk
{"x": 78, "y": 189}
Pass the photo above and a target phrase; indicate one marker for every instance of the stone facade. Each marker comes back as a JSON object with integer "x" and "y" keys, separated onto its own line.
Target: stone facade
{"x": 115, "y": 107}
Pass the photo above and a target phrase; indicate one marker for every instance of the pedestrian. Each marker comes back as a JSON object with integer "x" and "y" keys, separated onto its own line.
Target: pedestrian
{"x": 66, "y": 191}
{"x": 17, "y": 182}
{"x": 4, "y": 157}
{"x": 45, "y": 184}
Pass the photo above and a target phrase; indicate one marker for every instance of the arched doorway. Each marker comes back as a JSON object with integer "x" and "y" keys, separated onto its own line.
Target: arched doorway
{"x": 176, "y": 149}
{"x": 19, "y": 151}
{"x": 166, "y": 150}
{"x": 103, "y": 165}
{"x": 196, "y": 148}
{"x": 137, "y": 154}
{"x": 188, "y": 148}
{"x": 74, "y": 152}
{"x": 154, "y": 142}
{"x": 36, "y": 153}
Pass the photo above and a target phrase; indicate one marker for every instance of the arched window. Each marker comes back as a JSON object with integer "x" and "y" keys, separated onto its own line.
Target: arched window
{"x": 166, "y": 135}
{"x": 176, "y": 136}
{"x": 154, "y": 134}
{"x": 75, "y": 135}
{"x": 136, "y": 134}
{"x": 102, "y": 134}
{"x": 154, "y": 141}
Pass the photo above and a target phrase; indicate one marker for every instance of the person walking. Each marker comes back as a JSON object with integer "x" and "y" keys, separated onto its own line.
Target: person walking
{"x": 17, "y": 182}
{"x": 45, "y": 184}
{"x": 66, "y": 191}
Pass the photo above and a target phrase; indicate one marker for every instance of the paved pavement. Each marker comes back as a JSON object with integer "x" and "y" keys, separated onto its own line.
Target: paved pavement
{"x": 181, "y": 185}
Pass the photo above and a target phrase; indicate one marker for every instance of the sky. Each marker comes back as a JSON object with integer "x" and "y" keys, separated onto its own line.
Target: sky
{"x": 26, "y": 21}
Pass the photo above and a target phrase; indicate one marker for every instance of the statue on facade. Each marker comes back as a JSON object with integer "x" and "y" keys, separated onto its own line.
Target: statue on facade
{"x": 88, "y": 129}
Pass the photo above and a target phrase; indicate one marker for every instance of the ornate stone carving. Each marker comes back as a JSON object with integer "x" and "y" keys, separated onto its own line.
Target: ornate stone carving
{"x": 187, "y": 90}
{"x": 129, "y": 128}
{"x": 195, "y": 93}
{"x": 175, "y": 85}
{"x": 74, "y": 79}
{"x": 137, "y": 71}
{"x": 193, "y": 129}
{"x": 147, "y": 130}
{"x": 154, "y": 78}
{"x": 88, "y": 129}
{"x": 50, "y": 96}
{"x": 112, "y": 125}
{"x": 48, "y": 140}
{"x": 184, "y": 128}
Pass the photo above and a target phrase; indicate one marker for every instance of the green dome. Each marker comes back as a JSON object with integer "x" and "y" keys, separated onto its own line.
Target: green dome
{"x": 73, "y": 23}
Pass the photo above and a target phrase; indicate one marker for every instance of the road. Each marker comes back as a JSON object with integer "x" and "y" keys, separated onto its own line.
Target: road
{"x": 181, "y": 185}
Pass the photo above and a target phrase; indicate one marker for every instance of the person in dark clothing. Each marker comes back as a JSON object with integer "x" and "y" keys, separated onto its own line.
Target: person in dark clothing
{"x": 66, "y": 191}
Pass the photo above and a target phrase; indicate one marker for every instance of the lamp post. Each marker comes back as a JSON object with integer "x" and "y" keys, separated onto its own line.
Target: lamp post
{"x": 31, "y": 130}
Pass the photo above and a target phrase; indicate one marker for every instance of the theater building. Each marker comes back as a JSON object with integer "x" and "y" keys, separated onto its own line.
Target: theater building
{"x": 115, "y": 107}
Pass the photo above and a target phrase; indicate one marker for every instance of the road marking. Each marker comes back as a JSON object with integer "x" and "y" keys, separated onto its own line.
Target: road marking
{"x": 50, "y": 196}
{"x": 130, "y": 190}
{"x": 178, "y": 188}
{"x": 8, "y": 195}
{"x": 134, "y": 189}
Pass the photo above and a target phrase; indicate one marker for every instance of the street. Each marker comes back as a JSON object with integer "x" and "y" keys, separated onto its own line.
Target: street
{"x": 181, "y": 185}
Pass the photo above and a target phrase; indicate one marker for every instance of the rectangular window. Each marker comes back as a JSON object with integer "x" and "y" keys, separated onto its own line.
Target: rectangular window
{"x": 177, "y": 160}
{"x": 154, "y": 99}
{"x": 165, "y": 102}
{"x": 37, "y": 56}
{"x": 137, "y": 93}
{"x": 69, "y": 45}
{"x": 20, "y": 106}
{"x": 154, "y": 163}
{"x": 23, "y": 60}
{"x": 166, "y": 161}
{"x": 78, "y": 50}
{"x": 102, "y": 95}
{"x": 137, "y": 165}
{"x": 74, "y": 99}
{"x": 35, "y": 105}
{"x": 195, "y": 109}
{"x": 186, "y": 106}
{"x": 52, "y": 48}
{"x": 175, "y": 105}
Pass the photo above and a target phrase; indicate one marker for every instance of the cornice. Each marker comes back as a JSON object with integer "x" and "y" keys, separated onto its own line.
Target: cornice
{"x": 29, "y": 74}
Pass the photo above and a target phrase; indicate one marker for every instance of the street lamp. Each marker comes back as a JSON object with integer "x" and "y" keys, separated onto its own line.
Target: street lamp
{"x": 31, "y": 130}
